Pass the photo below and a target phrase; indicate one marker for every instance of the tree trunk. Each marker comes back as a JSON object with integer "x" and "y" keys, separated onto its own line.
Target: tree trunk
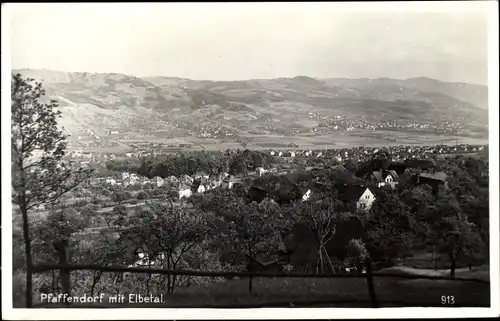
{"x": 453, "y": 265}
{"x": 371, "y": 286}
{"x": 95, "y": 280}
{"x": 27, "y": 246}
{"x": 61, "y": 248}
{"x": 250, "y": 279}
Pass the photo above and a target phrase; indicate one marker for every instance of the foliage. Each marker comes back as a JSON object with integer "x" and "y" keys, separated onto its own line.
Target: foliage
{"x": 39, "y": 176}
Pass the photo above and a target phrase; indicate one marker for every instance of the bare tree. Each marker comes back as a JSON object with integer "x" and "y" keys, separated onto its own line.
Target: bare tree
{"x": 321, "y": 217}
{"x": 38, "y": 174}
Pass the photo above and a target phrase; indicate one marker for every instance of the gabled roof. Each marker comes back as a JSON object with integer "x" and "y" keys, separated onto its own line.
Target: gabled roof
{"x": 184, "y": 186}
{"x": 349, "y": 193}
{"x": 440, "y": 176}
{"x": 394, "y": 175}
{"x": 378, "y": 176}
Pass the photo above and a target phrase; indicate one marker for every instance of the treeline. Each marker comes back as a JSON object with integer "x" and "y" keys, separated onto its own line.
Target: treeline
{"x": 213, "y": 162}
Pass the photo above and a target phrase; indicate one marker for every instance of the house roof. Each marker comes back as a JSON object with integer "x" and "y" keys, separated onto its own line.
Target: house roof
{"x": 378, "y": 176}
{"x": 394, "y": 175}
{"x": 184, "y": 186}
{"x": 349, "y": 193}
{"x": 440, "y": 176}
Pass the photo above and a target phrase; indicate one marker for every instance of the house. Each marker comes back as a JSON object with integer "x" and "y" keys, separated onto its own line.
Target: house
{"x": 319, "y": 154}
{"x": 306, "y": 195}
{"x": 365, "y": 201}
{"x": 436, "y": 180}
{"x": 384, "y": 178}
{"x": 110, "y": 181}
{"x": 256, "y": 194}
{"x": 392, "y": 178}
{"x": 214, "y": 181}
{"x": 260, "y": 171}
{"x": 376, "y": 178}
{"x": 228, "y": 182}
{"x": 280, "y": 153}
{"x": 270, "y": 264}
{"x": 186, "y": 179}
{"x": 184, "y": 190}
{"x": 171, "y": 179}
{"x": 272, "y": 153}
{"x": 159, "y": 181}
{"x": 198, "y": 185}
{"x": 198, "y": 175}
{"x": 356, "y": 197}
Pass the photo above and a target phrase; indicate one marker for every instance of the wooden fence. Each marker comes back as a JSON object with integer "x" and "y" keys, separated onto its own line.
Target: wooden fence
{"x": 65, "y": 271}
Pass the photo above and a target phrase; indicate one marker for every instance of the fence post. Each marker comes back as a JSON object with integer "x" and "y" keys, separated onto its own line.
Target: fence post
{"x": 61, "y": 247}
{"x": 371, "y": 287}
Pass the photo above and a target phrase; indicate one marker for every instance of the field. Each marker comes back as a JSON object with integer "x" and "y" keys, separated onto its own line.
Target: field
{"x": 355, "y": 138}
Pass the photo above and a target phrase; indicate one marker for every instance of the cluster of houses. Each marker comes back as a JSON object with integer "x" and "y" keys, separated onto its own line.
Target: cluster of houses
{"x": 186, "y": 185}
{"x": 398, "y": 153}
{"x": 361, "y": 197}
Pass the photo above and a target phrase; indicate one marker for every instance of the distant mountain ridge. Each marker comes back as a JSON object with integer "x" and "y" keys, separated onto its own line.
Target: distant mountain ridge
{"x": 179, "y": 107}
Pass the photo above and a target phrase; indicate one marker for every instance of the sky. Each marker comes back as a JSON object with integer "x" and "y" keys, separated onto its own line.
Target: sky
{"x": 446, "y": 41}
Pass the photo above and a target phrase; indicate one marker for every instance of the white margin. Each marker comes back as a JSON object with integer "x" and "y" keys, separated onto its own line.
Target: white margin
{"x": 297, "y": 313}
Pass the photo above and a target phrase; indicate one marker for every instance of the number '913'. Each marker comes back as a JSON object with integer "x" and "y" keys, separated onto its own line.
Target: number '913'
{"x": 447, "y": 299}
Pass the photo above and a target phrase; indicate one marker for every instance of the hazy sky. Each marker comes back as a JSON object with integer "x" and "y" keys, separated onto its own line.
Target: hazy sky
{"x": 242, "y": 41}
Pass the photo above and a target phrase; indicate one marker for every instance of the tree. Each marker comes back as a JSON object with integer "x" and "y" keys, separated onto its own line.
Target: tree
{"x": 166, "y": 233}
{"x": 356, "y": 253}
{"x": 142, "y": 195}
{"x": 39, "y": 176}
{"x": 390, "y": 228}
{"x": 419, "y": 199}
{"x": 251, "y": 231}
{"x": 321, "y": 217}
{"x": 458, "y": 238}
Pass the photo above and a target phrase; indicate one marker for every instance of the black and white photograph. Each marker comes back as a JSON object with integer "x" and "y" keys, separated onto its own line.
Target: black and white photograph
{"x": 250, "y": 160}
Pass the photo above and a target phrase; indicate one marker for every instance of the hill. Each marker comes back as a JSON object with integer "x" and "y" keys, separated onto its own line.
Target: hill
{"x": 111, "y": 110}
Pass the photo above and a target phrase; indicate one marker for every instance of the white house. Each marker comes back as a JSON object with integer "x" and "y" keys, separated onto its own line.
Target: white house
{"x": 201, "y": 189}
{"x": 159, "y": 181}
{"x": 184, "y": 191}
{"x": 306, "y": 195}
{"x": 187, "y": 179}
{"x": 260, "y": 171}
{"x": 228, "y": 182}
{"x": 392, "y": 179}
{"x": 319, "y": 154}
{"x": 366, "y": 200}
{"x": 280, "y": 153}
{"x": 110, "y": 181}
{"x": 272, "y": 153}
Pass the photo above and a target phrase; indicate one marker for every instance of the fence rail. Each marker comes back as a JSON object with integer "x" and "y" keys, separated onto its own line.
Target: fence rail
{"x": 123, "y": 269}
{"x": 65, "y": 271}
